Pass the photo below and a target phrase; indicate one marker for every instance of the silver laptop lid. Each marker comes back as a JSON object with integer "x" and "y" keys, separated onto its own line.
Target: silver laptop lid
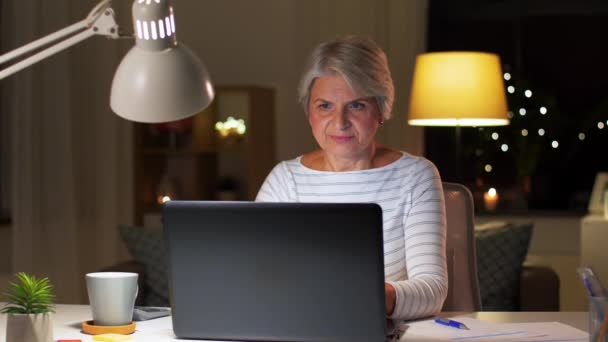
{"x": 276, "y": 271}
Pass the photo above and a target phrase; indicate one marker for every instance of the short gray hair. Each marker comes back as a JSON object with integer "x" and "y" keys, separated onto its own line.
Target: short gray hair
{"x": 362, "y": 64}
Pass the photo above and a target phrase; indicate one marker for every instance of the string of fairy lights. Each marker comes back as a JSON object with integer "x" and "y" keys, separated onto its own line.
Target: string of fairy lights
{"x": 527, "y": 111}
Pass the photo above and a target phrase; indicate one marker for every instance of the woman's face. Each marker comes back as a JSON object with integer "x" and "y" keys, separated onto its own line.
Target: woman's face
{"x": 343, "y": 123}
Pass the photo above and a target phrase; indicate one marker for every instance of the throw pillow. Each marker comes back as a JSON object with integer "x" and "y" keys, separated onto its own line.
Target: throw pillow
{"x": 147, "y": 247}
{"x": 501, "y": 252}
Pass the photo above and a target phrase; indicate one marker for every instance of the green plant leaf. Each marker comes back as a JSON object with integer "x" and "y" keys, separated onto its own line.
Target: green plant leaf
{"x": 29, "y": 295}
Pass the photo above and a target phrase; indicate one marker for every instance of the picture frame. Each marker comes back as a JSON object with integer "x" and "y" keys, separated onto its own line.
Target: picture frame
{"x": 598, "y": 197}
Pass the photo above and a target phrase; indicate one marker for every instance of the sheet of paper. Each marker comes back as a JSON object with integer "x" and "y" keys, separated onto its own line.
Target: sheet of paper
{"x": 479, "y": 330}
{"x": 550, "y": 331}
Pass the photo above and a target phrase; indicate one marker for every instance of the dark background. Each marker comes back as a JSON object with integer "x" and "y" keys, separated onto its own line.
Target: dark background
{"x": 559, "y": 50}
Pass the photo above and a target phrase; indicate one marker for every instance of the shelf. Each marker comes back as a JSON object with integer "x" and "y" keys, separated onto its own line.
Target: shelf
{"x": 197, "y": 164}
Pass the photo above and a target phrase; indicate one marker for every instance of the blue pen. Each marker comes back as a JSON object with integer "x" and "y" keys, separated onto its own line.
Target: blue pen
{"x": 451, "y": 323}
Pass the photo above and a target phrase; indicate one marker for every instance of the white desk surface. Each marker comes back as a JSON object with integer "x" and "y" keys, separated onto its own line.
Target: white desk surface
{"x": 68, "y": 318}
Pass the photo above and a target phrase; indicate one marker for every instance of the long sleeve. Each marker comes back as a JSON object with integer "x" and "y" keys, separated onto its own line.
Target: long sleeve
{"x": 423, "y": 292}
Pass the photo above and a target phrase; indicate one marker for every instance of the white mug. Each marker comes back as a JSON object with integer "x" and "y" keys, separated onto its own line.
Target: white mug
{"x": 112, "y": 297}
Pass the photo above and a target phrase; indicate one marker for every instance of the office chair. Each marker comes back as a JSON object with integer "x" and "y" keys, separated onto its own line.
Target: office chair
{"x": 463, "y": 286}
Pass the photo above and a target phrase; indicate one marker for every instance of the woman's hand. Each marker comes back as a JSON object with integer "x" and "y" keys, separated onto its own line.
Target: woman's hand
{"x": 390, "y": 298}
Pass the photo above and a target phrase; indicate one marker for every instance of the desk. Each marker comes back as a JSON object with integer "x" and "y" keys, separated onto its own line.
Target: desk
{"x": 68, "y": 318}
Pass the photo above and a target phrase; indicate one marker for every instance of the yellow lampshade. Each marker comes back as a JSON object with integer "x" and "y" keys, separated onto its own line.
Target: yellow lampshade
{"x": 458, "y": 89}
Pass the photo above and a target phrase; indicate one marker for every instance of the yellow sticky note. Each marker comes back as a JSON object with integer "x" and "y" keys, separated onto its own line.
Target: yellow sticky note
{"x": 111, "y": 338}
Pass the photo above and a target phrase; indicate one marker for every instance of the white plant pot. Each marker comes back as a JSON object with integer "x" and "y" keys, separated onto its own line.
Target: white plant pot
{"x": 29, "y": 328}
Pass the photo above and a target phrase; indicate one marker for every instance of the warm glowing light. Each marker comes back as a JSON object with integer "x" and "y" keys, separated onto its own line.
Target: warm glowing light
{"x": 458, "y": 89}
{"x": 504, "y": 147}
{"x": 600, "y": 125}
{"x": 543, "y": 110}
{"x": 507, "y": 76}
{"x": 161, "y": 28}
{"x": 541, "y": 132}
{"x": 581, "y": 136}
{"x": 528, "y": 93}
{"x": 554, "y": 144}
{"x": 490, "y": 199}
{"x": 140, "y": 32}
{"x": 168, "y": 26}
{"x": 522, "y": 111}
{"x": 488, "y": 168}
{"x": 524, "y": 132}
{"x": 146, "y": 34}
{"x": 231, "y": 126}
{"x": 163, "y": 198}
{"x": 153, "y": 29}
{"x": 494, "y": 136}
{"x": 511, "y": 89}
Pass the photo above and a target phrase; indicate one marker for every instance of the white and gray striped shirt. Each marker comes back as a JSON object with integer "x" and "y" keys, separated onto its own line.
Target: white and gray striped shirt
{"x": 410, "y": 193}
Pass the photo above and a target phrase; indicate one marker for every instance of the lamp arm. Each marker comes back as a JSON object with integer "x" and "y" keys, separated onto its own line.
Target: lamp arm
{"x": 43, "y": 41}
{"x": 100, "y": 21}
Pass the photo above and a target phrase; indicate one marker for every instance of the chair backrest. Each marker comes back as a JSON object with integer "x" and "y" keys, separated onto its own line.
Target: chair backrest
{"x": 463, "y": 287}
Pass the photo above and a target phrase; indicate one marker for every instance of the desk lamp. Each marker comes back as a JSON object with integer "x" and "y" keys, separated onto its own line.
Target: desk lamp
{"x": 458, "y": 89}
{"x": 158, "y": 80}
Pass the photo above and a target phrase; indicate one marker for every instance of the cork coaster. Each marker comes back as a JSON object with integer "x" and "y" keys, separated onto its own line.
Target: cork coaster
{"x": 90, "y": 328}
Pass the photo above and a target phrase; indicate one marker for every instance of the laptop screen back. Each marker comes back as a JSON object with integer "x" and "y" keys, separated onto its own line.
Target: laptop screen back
{"x": 276, "y": 271}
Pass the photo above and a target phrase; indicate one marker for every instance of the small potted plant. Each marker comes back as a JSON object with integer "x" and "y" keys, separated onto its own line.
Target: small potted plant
{"x": 30, "y": 303}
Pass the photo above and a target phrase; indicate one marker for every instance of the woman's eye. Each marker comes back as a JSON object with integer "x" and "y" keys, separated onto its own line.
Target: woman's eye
{"x": 324, "y": 106}
{"x": 357, "y": 105}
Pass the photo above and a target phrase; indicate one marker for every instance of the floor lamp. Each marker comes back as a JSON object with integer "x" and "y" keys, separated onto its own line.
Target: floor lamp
{"x": 159, "y": 80}
{"x": 458, "y": 89}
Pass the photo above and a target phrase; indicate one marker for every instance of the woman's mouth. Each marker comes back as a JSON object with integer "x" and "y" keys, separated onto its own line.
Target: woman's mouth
{"x": 341, "y": 139}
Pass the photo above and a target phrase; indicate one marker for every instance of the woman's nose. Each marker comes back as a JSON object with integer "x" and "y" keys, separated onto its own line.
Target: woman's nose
{"x": 341, "y": 120}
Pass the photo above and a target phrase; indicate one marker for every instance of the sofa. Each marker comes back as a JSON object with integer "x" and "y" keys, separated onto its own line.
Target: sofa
{"x": 531, "y": 296}
{"x": 506, "y": 282}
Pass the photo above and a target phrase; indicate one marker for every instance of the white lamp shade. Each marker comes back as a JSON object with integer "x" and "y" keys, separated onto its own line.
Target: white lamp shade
{"x": 458, "y": 89}
{"x": 160, "y": 86}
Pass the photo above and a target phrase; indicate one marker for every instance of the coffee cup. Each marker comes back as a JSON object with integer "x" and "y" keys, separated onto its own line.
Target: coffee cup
{"x": 112, "y": 297}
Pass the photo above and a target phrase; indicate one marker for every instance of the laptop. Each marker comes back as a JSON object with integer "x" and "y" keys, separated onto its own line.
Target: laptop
{"x": 248, "y": 271}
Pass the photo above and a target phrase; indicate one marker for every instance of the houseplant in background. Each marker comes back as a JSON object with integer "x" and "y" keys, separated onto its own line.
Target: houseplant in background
{"x": 30, "y": 303}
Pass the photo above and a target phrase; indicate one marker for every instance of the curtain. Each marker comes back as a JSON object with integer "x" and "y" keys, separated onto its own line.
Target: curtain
{"x": 70, "y": 155}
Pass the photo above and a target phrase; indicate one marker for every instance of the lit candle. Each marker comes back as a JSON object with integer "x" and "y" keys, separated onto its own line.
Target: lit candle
{"x": 163, "y": 198}
{"x": 490, "y": 199}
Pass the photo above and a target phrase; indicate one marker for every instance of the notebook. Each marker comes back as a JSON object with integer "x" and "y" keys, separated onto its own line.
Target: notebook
{"x": 251, "y": 271}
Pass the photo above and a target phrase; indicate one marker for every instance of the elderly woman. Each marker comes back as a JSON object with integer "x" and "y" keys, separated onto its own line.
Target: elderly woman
{"x": 347, "y": 94}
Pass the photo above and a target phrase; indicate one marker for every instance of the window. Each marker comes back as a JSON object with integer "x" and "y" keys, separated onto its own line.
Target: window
{"x": 556, "y": 81}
